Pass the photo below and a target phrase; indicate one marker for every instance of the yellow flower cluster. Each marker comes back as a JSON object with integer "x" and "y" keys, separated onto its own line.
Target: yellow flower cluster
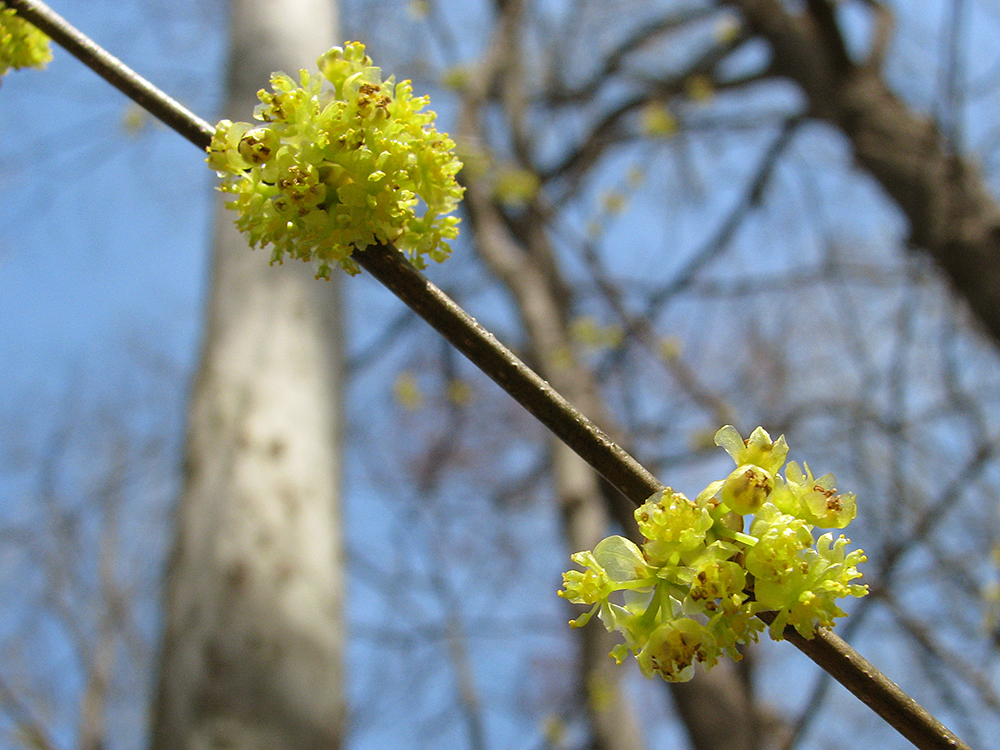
{"x": 21, "y": 44}
{"x": 691, "y": 592}
{"x": 336, "y": 168}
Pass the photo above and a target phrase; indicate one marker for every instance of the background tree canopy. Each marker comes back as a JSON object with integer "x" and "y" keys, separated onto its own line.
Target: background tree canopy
{"x": 682, "y": 214}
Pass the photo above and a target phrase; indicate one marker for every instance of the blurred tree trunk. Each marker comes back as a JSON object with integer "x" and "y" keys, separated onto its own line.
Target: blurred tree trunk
{"x": 252, "y": 654}
{"x": 717, "y": 707}
{"x": 614, "y": 722}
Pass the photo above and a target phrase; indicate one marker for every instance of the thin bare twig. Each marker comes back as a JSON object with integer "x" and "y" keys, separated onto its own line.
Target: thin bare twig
{"x": 168, "y": 111}
{"x": 389, "y": 266}
{"x": 873, "y": 688}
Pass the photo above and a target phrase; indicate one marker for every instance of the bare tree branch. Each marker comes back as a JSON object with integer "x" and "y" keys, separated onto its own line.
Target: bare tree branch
{"x": 953, "y": 214}
{"x": 168, "y": 111}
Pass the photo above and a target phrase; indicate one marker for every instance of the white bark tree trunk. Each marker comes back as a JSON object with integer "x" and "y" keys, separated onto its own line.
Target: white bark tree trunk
{"x": 254, "y": 628}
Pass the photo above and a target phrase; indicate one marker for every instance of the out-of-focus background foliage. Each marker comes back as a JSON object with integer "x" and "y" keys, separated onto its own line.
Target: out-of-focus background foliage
{"x": 673, "y": 234}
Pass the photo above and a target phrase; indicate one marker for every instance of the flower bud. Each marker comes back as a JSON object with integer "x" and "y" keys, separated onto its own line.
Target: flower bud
{"x": 258, "y": 145}
{"x": 746, "y": 489}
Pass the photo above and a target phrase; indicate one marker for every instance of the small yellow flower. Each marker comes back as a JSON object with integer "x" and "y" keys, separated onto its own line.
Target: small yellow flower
{"x": 614, "y": 202}
{"x": 407, "y": 392}
{"x": 758, "y": 449}
{"x": 657, "y": 121}
{"x": 700, "y": 88}
{"x": 459, "y": 392}
{"x": 820, "y": 502}
{"x": 21, "y": 44}
{"x": 672, "y": 524}
{"x": 588, "y": 332}
{"x": 673, "y": 648}
{"x": 515, "y": 187}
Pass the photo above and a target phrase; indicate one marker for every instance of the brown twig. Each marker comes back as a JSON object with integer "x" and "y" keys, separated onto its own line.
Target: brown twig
{"x": 168, "y": 111}
{"x": 389, "y": 266}
{"x": 873, "y": 688}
